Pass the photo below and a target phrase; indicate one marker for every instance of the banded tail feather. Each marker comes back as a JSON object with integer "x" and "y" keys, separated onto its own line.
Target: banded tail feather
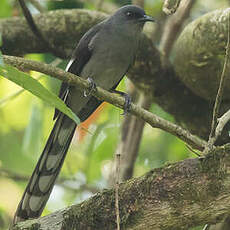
{"x": 47, "y": 169}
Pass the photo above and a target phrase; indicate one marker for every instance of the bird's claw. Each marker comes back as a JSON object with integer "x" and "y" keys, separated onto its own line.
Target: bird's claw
{"x": 127, "y": 104}
{"x": 92, "y": 87}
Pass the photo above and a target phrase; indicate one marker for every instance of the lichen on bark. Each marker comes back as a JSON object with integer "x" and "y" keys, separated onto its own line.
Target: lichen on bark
{"x": 178, "y": 196}
{"x": 199, "y": 54}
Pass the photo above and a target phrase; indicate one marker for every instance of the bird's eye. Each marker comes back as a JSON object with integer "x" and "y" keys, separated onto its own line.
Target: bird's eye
{"x": 129, "y": 14}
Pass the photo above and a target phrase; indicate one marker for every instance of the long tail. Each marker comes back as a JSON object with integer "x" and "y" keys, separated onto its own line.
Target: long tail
{"x": 47, "y": 169}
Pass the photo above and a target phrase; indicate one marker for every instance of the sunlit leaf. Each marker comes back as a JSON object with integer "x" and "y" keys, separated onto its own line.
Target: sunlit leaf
{"x": 10, "y": 97}
{"x": 25, "y": 81}
{"x": 14, "y": 95}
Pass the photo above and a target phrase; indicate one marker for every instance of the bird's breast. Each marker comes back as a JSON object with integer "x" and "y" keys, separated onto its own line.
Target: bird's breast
{"x": 110, "y": 61}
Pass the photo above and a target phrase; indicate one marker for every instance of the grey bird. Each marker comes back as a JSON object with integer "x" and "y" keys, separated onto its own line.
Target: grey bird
{"x": 104, "y": 54}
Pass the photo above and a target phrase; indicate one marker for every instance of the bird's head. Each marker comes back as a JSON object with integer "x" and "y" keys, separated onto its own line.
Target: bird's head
{"x": 131, "y": 16}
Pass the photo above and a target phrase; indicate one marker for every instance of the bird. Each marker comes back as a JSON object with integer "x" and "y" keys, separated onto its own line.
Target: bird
{"x": 103, "y": 56}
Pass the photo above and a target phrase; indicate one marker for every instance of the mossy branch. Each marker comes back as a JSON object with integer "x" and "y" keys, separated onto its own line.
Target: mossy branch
{"x": 178, "y": 196}
{"x": 71, "y": 79}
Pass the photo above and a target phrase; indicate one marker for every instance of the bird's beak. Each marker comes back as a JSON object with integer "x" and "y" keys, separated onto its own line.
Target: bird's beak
{"x": 147, "y": 18}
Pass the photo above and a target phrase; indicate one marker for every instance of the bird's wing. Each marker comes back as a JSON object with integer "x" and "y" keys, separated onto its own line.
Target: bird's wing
{"x": 80, "y": 57}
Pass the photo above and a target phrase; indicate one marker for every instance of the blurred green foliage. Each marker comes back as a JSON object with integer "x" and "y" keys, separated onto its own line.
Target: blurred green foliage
{"x": 70, "y": 4}
{"x": 26, "y": 122}
{"x": 32, "y": 85}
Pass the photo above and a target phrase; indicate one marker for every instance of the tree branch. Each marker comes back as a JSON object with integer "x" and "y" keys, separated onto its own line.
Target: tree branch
{"x": 64, "y": 28}
{"x": 173, "y": 26}
{"x": 71, "y": 79}
{"x": 29, "y": 18}
{"x": 170, "y": 6}
{"x": 187, "y": 193}
{"x": 61, "y": 181}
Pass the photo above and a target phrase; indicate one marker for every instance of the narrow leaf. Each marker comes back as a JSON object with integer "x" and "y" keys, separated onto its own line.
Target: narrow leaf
{"x": 30, "y": 84}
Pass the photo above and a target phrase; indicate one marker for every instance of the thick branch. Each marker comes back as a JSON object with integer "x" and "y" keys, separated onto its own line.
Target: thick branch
{"x": 178, "y": 196}
{"x": 153, "y": 120}
{"x": 62, "y": 28}
{"x": 200, "y": 54}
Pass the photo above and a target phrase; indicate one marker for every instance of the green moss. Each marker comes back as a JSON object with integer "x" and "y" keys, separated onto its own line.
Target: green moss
{"x": 199, "y": 53}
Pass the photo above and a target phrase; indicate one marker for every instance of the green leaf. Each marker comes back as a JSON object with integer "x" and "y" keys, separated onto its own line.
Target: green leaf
{"x": 30, "y": 84}
{"x": 15, "y": 94}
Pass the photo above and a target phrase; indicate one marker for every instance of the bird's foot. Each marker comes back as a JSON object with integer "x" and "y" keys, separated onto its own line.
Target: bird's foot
{"x": 91, "y": 89}
{"x": 128, "y": 100}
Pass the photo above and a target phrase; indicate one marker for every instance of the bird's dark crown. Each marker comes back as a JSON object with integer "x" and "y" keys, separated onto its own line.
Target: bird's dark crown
{"x": 130, "y": 12}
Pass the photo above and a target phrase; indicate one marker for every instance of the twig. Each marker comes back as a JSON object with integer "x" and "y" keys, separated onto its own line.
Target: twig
{"x": 31, "y": 22}
{"x": 221, "y": 87}
{"x": 83, "y": 187}
{"x": 170, "y": 6}
{"x": 61, "y": 181}
{"x": 71, "y": 79}
{"x": 13, "y": 175}
{"x": 206, "y": 227}
{"x": 118, "y": 157}
{"x": 132, "y": 131}
{"x": 36, "y": 31}
{"x": 196, "y": 153}
{"x": 129, "y": 143}
{"x": 219, "y": 96}
{"x": 222, "y": 121}
{"x": 173, "y": 27}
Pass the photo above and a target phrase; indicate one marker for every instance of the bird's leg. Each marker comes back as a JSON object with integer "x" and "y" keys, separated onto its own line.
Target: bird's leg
{"x": 128, "y": 100}
{"x": 92, "y": 87}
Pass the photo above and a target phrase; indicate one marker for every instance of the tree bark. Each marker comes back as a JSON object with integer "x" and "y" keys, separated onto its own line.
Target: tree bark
{"x": 178, "y": 196}
{"x": 200, "y": 53}
{"x": 62, "y": 28}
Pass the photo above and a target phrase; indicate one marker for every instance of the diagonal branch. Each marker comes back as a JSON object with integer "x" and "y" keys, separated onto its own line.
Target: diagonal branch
{"x": 153, "y": 120}
{"x": 64, "y": 28}
{"x": 170, "y": 6}
{"x": 35, "y": 29}
{"x": 174, "y": 25}
{"x": 187, "y": 193}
